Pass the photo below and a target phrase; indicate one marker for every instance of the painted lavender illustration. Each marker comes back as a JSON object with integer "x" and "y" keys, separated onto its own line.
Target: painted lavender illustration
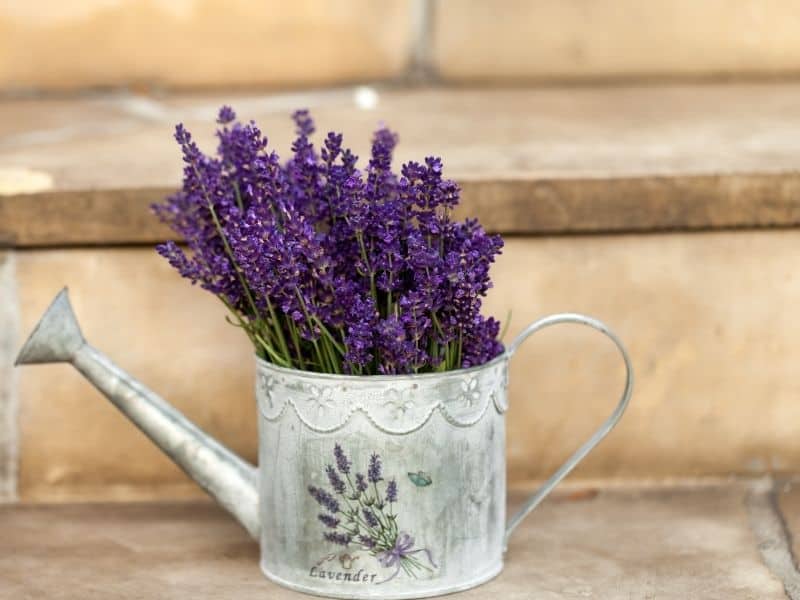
{"x": 361, "y": 512}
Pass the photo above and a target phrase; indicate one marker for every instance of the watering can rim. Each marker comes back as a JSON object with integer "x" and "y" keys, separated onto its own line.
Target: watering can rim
{"x": 355, "y": 379}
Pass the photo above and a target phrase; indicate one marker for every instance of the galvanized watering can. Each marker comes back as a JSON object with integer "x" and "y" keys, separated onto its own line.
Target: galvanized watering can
{"x": 366, "y": 487}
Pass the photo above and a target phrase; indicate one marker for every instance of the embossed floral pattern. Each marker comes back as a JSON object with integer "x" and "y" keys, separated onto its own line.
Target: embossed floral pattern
{"x": 470, "y": 392}
{"x": 266, "y": 385}
{"x": 399, "y": 402}
{"x": 321, "y": 396}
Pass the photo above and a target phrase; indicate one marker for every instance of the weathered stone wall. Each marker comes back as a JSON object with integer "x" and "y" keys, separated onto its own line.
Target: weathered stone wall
{"x": 54, "y": 45}
{"x": 708, "y": 318}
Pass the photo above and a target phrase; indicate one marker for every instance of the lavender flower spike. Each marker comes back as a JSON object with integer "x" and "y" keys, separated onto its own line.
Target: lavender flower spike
{"x": 374, "y": 471}
{"x": 342, "y": 462}
{"x": 370, "y": 518}
{"x": 342, "y": 539}
{"x": 324, "y": 499}
{"x": 391, "y": 490}
{"x": 328, "y": 520}
{"x": 336, "y": 482}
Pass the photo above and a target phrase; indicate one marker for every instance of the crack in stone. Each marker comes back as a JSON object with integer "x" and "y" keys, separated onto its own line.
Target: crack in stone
{"x": 773, "y": 535}
{"x": 421, "y": 69}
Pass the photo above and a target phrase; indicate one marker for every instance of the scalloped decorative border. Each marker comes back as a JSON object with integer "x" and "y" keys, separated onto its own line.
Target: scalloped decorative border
{"x": 474, "y": 391}
{"x": 440, "y": 406}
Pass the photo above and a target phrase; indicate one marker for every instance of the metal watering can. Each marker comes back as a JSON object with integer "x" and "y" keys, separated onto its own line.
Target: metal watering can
{"x": 366, "y": 487}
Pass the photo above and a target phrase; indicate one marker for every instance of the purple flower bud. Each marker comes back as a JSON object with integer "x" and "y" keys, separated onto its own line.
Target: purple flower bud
{"x": 374, "y": 471}
{"x": 336, "y": 482}
{"x": 391, "y": 491}
{"x": 304, "y": 122}
{"x": 370, "y": 518}
{"x": 342, "y": 539}
{"x": 342, "y": 462}
{"x": 361, "y": 482}
{"x": 328, "y": 520}
{"x": 226, "y": 115}
{"x": 324, "y": 499}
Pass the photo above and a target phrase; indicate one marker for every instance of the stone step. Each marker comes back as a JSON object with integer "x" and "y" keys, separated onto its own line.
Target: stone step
{"x": 555, "y": 160}
{"x": 723, "y": 542}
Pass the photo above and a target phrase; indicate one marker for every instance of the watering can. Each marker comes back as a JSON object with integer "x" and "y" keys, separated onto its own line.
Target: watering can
{"x": 367, "y": 487}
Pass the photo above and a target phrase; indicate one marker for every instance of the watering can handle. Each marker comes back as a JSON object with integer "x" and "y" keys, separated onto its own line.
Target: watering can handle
{"x": 598, "y": 435}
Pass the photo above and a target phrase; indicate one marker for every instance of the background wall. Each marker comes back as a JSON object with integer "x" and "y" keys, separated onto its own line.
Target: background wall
{"x": 189, "y": 44}
{"x": 640, "y": 157}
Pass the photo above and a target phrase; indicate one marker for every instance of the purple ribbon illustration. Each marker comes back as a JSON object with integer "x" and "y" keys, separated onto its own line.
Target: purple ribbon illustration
{"x": 402, "y": 549}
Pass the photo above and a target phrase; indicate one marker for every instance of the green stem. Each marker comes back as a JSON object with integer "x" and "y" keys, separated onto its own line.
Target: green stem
{"x": 238, "y": 194}
{"x": 238, "y": 317}
{"x": 278, "y": 330}
{"x": 330, "y": 336}
{"x": 277, "y": 358}
{"x": 296, "y": 342}
{"x": 225, "y": 244}
{"x": 365, "y": 258}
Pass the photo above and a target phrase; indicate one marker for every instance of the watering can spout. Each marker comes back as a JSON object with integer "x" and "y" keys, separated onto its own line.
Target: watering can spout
{"x": 224, "y": 475}
{"x": 57, "y": 336}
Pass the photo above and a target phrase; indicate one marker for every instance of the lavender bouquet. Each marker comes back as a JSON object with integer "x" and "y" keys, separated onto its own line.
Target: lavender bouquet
{"x": 327, "y": 267}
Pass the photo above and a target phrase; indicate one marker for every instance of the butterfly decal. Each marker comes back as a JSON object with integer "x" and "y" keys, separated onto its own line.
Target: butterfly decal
{"x": 420, "y": 479}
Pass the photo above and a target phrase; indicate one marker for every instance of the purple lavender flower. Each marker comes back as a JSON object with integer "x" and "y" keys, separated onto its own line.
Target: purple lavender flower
{"x": 391, "y": 491}
{"x": 342, "y": 462}
{"x": 328, "y": 520}
{"x": 396, "y": 349}
{"x": 374, "y": 471}
{"x": 329, "y": 268}
{"x": 336, "y": 482}
{"x": 226, "y": 115}
{"x": 360, "y": 337}
{"x": 342, "y": 539}
{"x": 361, "y": 482}
{"x": 324, "y": 499}
{"x": 370, "y": 518}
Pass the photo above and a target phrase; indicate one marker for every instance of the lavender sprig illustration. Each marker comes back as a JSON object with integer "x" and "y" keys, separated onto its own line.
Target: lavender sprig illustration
{"x": 361, "y": 513}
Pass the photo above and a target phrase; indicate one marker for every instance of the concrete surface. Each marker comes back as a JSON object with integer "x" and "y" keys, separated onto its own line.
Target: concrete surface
{"x": 676, "y": 543}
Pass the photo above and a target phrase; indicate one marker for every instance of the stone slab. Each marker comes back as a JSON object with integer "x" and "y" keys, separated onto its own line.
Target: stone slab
{"x": 548, "y": 160}
{"x": 612, "y": 545}
{"x": 572, "y": 40}
{"x": 158, "y": 43}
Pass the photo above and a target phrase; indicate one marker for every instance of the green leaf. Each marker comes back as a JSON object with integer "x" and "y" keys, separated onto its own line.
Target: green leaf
{"x": 420, "y": 479}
